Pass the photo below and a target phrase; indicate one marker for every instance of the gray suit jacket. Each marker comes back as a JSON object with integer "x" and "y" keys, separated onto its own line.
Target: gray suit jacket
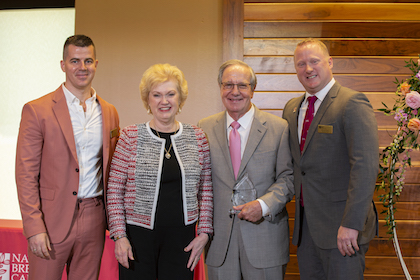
{"x": 267, "y": 161}
{"x": 338, "y": 166}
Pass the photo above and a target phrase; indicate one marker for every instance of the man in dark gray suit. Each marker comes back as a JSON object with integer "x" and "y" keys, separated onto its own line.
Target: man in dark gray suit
{"x": 254, "y": 242}
{"x": 335, "y": 166}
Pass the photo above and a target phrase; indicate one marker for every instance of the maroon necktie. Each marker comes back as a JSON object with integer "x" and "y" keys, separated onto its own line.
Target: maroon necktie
{"x": 309, "y": 116}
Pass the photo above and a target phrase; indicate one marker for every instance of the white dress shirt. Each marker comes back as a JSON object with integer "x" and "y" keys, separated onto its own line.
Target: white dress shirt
{"x": 320, "y": 95}
{"x": 87, "y": 129}
{"x": 246, "y": 122}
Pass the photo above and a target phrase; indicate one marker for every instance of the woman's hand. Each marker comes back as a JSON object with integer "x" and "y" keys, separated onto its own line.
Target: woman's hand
{"x": 196, "y": 247}
{"x": 123, "y": 251}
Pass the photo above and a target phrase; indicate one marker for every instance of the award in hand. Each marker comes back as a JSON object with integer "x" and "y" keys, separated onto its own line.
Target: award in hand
{"x": 243, "y": 192}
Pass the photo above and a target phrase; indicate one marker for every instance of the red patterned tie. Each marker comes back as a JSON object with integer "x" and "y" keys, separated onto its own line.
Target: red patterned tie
{"x": 309, "y": 116}
{"x": 235, "y": 147}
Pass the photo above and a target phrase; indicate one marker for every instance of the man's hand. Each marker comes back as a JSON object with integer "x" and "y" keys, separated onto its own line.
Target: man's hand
{"x": 250, "y": 211}
{"x": 123, "y": 251}
{"x": 347, "y": 241}
{"x": 40, "y": 245}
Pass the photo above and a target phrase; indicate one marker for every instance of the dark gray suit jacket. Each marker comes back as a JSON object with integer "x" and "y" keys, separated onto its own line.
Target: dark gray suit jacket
{"x": 338, "y": 166}
{"x": 268, "y": 163}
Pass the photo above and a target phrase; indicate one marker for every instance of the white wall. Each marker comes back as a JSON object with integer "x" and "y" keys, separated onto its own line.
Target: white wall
{"x": 30, "y": 52}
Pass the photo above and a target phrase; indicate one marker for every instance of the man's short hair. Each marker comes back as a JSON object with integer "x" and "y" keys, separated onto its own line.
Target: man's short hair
{"x": 314, "y": 41}
{"x": 78, "y": 41}
{"x": 231, "y": 62}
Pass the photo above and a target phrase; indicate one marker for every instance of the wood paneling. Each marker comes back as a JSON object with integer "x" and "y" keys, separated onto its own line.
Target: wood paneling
{"x": 406, "y": 229}
{"x": 369, "y": 40}
{"x": 337, "y": 47}
{"x": 277, "y": 100}
{"x": 364, "y": 83}
{"x": 374, "y": 265}
{"x": 332, "y": 11}
{"x": 327, "y": 1}
{"x": 274, "y": 29}
{"x": 342, "y": 65}
{"x": 233, "y": 28}
{"x": 411, "y": 192}
{"x": 405, "y": 210}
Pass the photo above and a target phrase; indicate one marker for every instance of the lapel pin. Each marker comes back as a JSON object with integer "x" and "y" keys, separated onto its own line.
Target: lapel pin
{"x": 294, "y": 110}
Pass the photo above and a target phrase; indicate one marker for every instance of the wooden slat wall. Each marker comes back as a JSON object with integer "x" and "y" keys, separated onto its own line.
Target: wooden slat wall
{"x": 369, "y": 42}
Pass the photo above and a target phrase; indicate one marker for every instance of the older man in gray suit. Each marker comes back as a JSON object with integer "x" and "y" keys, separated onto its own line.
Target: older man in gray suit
{"x": 251, "y": 240}
{"x": 334, "y": 143}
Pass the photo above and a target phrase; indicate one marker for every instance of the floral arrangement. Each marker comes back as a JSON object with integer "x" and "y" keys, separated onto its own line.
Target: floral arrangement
{"x": 395, "y": 158}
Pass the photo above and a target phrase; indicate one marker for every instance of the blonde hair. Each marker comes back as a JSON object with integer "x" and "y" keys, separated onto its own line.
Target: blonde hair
{"x": 160, "y": 73}
{"x": 317, "y": 42}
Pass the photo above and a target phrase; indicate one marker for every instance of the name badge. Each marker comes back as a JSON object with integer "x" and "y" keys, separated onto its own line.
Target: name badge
{"x": 114, "y": 132}
{"x": 328, "y": 129}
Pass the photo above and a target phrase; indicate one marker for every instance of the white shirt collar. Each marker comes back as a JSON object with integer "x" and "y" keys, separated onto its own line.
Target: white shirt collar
{"x": 71, "y": 98}
{"x": 322, "y": 93}
{"x": 244, "y": 121}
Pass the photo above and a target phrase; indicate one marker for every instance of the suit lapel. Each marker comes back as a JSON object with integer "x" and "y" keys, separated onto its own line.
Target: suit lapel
{"x": 256, "y": 134}
{"x": 220, "y": 132}
{"x": 293, "y": 125}
{"x": 106, "y": 137}
{"x": 329, "y": 98}
{"x": 62, "y": 114}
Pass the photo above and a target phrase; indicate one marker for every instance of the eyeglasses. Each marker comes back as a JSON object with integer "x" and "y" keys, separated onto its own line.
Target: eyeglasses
{"x": 230, "y": 86}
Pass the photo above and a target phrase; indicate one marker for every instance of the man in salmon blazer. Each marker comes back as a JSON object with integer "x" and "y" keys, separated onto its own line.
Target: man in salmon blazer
{"x": 65, "y": 145}
{"x": 334, "y": 144}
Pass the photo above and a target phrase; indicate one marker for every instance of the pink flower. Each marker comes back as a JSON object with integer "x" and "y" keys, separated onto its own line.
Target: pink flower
{"x": 414, "y": 125}
{"x": 405, "y": 88}
{"x": 418, "y": 75}
{"x": 412, "y": 99}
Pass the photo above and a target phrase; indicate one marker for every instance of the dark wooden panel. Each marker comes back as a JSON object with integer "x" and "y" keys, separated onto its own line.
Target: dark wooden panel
{"x": 332, "y": 11}
{"x": 404, "y": 210}
{"x": 385, "y": 122}
{"x": 288, "y": 82}
{"x": 405, "y": 229}
{"x": 412, "y": 175}
{"x": 277, "y": 100}
{"x": 327, "y": 1}
{"x": 374, "y": 265}
{"x": 384, "y": 247}
{"x": 342, "y": 65}
{"x": 375, "y": 47}
{"x": 332, "y": 29}
{"x": 411, "y": 192}
{"x": 385, "y": 136}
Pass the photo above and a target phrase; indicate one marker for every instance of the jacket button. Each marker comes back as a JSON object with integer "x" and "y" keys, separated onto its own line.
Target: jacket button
{"x": 74, "y": 193}
{"x": 303, "y": 173}
{"x": 77, "y": 169}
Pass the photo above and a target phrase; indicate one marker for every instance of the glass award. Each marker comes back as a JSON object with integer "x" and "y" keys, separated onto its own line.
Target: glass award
{"x": 243, "y": 192}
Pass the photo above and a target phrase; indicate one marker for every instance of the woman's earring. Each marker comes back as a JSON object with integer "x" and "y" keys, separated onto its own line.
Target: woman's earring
{"x": 148, "y": 110}
{"x": 179, "y": 110}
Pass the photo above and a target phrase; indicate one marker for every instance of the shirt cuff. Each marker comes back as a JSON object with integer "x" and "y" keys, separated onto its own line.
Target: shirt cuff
{"x": 264, "y": 208}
